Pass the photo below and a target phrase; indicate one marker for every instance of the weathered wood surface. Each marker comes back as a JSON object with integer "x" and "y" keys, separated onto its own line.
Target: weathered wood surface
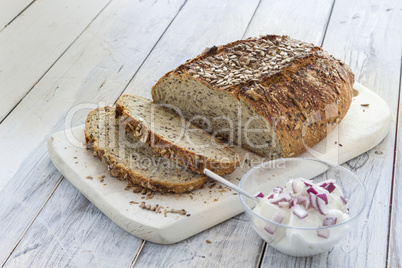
{"x": 35, "y": 40}
{"x": 70, "y": 232}
{"x": 11, "y": 9}
{"x": 373, "y": 50}
{"x": 86, "y": 53}
{"x": 116, "y": 42}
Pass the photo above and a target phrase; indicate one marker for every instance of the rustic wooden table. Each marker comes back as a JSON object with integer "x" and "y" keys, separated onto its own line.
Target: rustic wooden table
{"x": 56, "y": 56}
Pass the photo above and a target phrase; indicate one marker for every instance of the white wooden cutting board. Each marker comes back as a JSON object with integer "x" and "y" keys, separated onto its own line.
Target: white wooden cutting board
{"x": 365, "y": 125}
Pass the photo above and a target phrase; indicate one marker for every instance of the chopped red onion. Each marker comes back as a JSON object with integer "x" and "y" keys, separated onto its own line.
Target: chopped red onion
{"x": 328, "y": 221}
{"x": 322, "y": 207}
{"x": 306, "y": 183}
{"x": 259, "y": 194}
{"x": 277, "y": 199}
{"x": 307, "y": 203}
{"x": 343, "y": 200}
{"x": 277, "y": 190}
{"x": 301, "y": 199}
{"x": 330, "y": 187}
{"x": 287, "y": 196}
{"x": 323, "y": 185}
{"x": 311, "y": 190}
{"x": 271, "y": 196}
{"x": 324, "y": 197}
{"x": 324, "y": 233}
{"x": 293, "y": 202}
{"x": 270, "y": 227}
{"x": 295, "y": 186}
{"x": 313, "y": 201}
{"x": 299, "y": 211}
{"x": 283, "y": 204}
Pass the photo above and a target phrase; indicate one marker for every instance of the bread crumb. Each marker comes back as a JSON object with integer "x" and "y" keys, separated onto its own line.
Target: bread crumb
{"x": 133, "y": 202}
{"x": 208, "y": 241}
{"x": 234, "y": 193}
{"x": 365, "y": 105}
{"x": 89, "y": 177}
{"x": 76, "y": 162}
{"x": 75, "y": 157}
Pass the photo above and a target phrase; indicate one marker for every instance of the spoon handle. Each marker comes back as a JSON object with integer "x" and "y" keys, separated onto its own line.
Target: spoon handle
{"x": 218, "y": 178}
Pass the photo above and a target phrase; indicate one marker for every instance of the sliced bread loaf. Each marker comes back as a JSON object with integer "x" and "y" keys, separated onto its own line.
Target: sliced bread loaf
{"x": 273, "y": 95}
{"x": 175, "y": 138}
{"x": 128, "y": 158}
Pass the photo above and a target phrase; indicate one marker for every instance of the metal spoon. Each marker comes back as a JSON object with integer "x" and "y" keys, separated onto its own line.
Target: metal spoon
{"x": 218, "y": 178}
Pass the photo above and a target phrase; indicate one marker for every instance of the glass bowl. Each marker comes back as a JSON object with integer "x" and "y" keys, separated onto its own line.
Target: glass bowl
{"x": 302, "y": 241}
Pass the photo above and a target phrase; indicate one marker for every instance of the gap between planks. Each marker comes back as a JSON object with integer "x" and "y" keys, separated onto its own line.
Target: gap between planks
{"x": 58, "y": 58}
{"x": 22, "y": 11}
{"x": 33, "y": 220}
{"x": 391, "y": 222}
{"x": 327, "y": 24}
{"x": 150, "y": 52}
{"x": 251, "y": 19}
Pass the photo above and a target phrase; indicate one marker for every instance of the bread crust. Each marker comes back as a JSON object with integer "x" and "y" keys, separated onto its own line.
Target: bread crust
{"x": 193, "y": 161}
{"x": 302, "y": 101}
{"x": 134, "y": 178}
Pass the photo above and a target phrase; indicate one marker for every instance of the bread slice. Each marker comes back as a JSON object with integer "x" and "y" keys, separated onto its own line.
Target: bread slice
{"x": 175, "y": 138}
{"x": 128, "y": 158}
{"x": 273, "y": 95}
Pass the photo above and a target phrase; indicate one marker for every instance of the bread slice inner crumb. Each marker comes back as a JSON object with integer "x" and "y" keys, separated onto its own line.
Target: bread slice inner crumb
{"x": 175, "y": 130}
{"x": 125, "y": 150}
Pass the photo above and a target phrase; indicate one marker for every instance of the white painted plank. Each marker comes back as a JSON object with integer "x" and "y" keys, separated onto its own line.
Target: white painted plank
{"x": 306, "y": 21}
{"x": 34, "y": 41}
{"x": 10, "y": 9}
{"x": 373, "y": 49}
{"x": 94, "y": 70}
{"x": 235, "y": 245}
{"x": 171, "y": 52}
{"x": 22, "y": 200}
{"x": 358, "y": 34}
{"x": 89, "y": 240}
{"x": 395, "y": 235}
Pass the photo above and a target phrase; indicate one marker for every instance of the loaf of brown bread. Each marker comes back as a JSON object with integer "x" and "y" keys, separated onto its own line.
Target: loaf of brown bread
{"x": 273, "y": 95}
